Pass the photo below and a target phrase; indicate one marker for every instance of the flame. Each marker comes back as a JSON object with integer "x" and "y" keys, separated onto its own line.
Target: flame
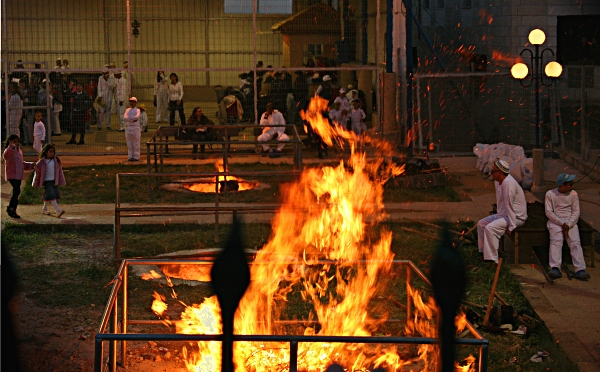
{"x": 469, "y": 365}
{"x": 326, "y": 246}
{"x": 209, "y": 185}
{"x": 158, "y": 305}
{"x": 151, "y": 275}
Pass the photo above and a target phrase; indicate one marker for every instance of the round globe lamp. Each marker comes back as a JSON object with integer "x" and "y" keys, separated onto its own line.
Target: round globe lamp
{"x": 553, "y": 69}
{"x": 519, "y": 71}
{"x": 537, "y": 37}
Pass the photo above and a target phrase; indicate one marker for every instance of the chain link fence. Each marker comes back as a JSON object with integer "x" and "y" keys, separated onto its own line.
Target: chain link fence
{"x": 231, "y": 58}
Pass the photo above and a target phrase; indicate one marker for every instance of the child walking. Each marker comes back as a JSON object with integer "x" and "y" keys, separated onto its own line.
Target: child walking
{"x": 357, "y": 116}
{"x": 49, "y": 175}
{"x": 39, "y": 133}
{"x": 562, "y": 210}
{"x": 14, "y": 171}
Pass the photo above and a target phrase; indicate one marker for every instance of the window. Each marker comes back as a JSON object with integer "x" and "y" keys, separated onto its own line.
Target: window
{"x": 440, "y": 4}
{"x": 262, "y": 6}
{"x": 466, "y": 4}
{"x": 426, "y": 4}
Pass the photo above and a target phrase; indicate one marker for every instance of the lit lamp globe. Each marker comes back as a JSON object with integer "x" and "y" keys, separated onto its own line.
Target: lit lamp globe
{"x": 519, "y": 71}
{"x": 537, "y": 37}
{"x": 553, "y": 69}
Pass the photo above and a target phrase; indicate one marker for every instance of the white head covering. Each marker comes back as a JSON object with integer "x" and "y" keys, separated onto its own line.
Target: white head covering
{"x": 326, "y": 78}
{"x": 503, "y": 166}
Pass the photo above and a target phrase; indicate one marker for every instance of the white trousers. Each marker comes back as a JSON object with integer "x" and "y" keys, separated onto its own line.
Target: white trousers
{"x": 267, "y": 137}
{"x": 56, "y": 123}
{"x": 133, "y": 136}
{"x": 162, "y": 106}
{"x": 556, "y": 242}
{"x": 37, "y": 144}
{"x": 489, "y": 232}
{"x": 14, "y": 119}
{"x": 104, "y": 113}
{"x": 120, "y": 113}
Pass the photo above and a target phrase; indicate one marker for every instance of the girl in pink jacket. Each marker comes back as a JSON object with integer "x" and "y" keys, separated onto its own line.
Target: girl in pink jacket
{"x": 14, "y": 171}
{"x": 49, "y": 175}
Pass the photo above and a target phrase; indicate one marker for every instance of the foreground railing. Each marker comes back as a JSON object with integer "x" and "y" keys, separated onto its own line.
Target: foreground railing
{"x": 113, "y": 329}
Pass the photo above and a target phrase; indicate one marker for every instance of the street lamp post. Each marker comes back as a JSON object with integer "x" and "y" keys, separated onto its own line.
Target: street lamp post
{"x": 520, "y": 71}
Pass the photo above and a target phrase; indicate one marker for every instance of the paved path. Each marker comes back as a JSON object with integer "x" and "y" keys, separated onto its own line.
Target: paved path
{"x": 570, "y": 308}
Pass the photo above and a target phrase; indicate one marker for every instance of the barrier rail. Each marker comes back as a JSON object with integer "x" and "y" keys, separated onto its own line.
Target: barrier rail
{"x": 110, "y": 317}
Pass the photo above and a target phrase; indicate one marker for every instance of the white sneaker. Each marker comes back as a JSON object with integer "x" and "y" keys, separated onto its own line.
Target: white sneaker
{"x": 60, "y": 213}
{"x": 46, "y": 212}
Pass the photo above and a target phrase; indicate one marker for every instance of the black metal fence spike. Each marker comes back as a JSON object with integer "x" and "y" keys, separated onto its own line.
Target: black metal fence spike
{"x": 230, "y": 279}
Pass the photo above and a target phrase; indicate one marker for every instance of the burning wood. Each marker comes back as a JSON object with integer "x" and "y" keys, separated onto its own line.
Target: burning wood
{"x": 326, "y": 245}
{"x": 229, "y": 183}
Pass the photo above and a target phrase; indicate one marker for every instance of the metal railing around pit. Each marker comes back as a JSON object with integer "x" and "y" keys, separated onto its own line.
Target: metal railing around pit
{"x": 146, "y": 210}
{"x": 110, "y": 319}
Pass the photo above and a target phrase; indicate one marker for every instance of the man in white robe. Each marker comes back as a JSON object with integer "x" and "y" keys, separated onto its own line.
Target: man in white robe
{"x": 511, "y": 212}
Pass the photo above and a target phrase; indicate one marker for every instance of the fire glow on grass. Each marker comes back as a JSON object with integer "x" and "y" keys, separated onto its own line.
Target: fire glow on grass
{"x": 331, "y": 213}
{"x": 209, "y": 186}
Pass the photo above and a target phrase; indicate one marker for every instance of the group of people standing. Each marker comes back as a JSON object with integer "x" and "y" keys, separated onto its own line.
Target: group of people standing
{"x": 561, "y": 208}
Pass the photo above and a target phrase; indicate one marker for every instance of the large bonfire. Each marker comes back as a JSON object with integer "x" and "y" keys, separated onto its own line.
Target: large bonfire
{"x": 326, "y": 246}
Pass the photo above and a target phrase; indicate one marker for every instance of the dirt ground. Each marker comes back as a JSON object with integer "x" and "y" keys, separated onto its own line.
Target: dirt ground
{"x": 55, "y": 339}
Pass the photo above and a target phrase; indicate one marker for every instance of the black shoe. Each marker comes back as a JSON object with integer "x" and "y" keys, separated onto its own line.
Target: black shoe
{"x": 81, "y": 143}
{"x": 146, "y": 130}
{"x": 71, "y": 142}
{"x": 98, "y": 129}
{"x": 13, "y": 214}
{"x": 109, "y": 128}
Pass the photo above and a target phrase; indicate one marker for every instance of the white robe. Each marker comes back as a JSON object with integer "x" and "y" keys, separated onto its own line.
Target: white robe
{"x": 132, "y": 132}
{"x": 269, "y": 133}
{"x": 511, "y": 213}
{"x": 560, "y": 209}
{"x": 105, "y": 90}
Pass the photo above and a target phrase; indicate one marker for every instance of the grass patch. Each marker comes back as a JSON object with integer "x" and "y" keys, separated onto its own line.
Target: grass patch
{"x": 68, "y": 266}
{"x": 96, "y": 185}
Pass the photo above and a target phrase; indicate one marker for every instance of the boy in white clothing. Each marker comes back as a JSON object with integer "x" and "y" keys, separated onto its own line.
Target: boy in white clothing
{"x": 357, "y": 116}
{"x": 562, "y": 210}
{"x": 39, "y": 133}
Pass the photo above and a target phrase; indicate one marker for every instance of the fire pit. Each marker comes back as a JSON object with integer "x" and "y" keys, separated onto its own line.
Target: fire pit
{"x": 206, "y": 185}
{"x": 329, "y": 254}
{"x": 291, "y": 348}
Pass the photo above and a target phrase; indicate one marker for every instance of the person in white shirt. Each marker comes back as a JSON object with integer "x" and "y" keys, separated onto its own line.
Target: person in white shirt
{"x": 344, "y": 107}
{"x": 39, "y": 133}
{"x": 122, "y": 89}
{"x": 335, "y": 115}
{"x": 132, "y": 130}
{"x": 562, "y": 210}
{"x": 106, "y": 83}
{"x": 161, "y": 96}
{"x": 269, "y": 133}
{"x": 357, "y": 118}
{"x": 511, "y": 212}
{"x": 175, "y": 90}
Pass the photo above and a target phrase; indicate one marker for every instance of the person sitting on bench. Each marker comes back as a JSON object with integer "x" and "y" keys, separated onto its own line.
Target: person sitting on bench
{"x": 511, "y": 212}
{"x": 203, "y": 132}
{"x": 272, "y": 117}
{"x": 562, "y": 210}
